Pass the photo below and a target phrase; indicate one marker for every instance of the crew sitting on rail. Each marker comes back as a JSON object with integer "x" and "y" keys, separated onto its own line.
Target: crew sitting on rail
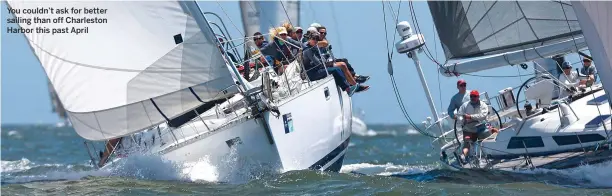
{"x": 293, "y": 35}
{"x": 280, "y": 48}
{"x": 316, "y": 70}
{"x": 326, "y": 51}
{"x": 458, "y": 99}
{"x": 589, "y": 71}
{"x": 260, "y": 42}
{"x": 569, "y": 78}
{"x": 474, "y": 115}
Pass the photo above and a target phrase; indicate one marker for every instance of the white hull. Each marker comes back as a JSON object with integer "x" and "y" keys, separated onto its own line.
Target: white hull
{"x": 319, "y": 138}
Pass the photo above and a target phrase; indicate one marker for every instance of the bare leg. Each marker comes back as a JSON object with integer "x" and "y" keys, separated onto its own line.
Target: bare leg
{"x": 466, "y": 149}
{"x": 347, "y": 73}
{"x": 110, "y": 147}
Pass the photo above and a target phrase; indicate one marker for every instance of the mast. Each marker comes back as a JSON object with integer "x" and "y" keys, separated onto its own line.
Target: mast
{"x": 409, "y": 44}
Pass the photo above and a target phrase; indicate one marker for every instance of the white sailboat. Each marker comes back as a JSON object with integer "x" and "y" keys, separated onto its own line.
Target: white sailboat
{"x": 153, "y": 78}
{"x": 561, "y": 132}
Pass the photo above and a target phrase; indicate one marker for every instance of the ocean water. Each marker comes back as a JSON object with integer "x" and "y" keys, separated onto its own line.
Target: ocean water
{"x": 385, "y": 160}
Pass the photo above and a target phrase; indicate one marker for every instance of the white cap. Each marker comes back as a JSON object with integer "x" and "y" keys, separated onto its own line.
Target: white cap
{"x": 315, "y": 25}
{"x": 282, "y": 30}
{"x": 311, "y": 29}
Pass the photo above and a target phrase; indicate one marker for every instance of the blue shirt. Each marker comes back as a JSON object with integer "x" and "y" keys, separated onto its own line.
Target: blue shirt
{"x": 456, "y": 101}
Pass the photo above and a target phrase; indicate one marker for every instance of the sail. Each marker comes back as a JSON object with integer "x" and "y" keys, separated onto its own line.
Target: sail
{"x": 56, "y": 104}
{"x": 290, "y": 12}
{"x": 260, "y": 16}
{"x": 595, "y": 20}
{"x": 478, "y": 28}
{"x": 140, "y": 64}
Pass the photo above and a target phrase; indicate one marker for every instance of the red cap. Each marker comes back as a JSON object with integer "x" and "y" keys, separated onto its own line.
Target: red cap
{"x": 474, "y": 93}
{"x": 461, "y": 81}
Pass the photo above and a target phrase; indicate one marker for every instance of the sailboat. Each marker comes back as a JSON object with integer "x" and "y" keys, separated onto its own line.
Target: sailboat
{"x": 150, "y": 78}
{"x": 560, "y": 132}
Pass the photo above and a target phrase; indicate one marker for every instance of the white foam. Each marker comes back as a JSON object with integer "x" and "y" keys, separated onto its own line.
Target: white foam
{"x": 598, "y": 174}
{"x": 384, "y": 170}
{"x": 15, "y": 166}
{"x": 368, "y": 132}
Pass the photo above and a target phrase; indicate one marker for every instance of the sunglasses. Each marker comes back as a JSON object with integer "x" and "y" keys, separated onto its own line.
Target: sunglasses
{"x": 300, "y": 32}
{"x": 323, "y": 33}
{"x": 463, "y": 85}
{"x": 474, "y": 96}
{"x": 258, "y": 38}
{"x": 586, "y": 61}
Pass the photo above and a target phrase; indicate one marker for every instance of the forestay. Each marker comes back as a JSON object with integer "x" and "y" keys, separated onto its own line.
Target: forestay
{"x": 595, "y": 19}
{"x": 144, "y": 66}
{"x": 478, "y": 28}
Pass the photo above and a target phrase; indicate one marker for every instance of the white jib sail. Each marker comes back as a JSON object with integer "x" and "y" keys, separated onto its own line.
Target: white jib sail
{"x": 134, "y": 65}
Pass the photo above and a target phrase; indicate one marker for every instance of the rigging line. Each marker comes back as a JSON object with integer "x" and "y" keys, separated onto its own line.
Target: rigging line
{"x": 433, "y": 29}
{"x": 395, "y": 90}
{"x": 333, "y": 11}
{"x": 396, "y": 21}
{"x": 230, "y": 19}
{"x": 287, "y": 14}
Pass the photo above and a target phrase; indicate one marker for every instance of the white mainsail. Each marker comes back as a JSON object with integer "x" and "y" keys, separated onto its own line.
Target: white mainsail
{"x": 596, "y": 23}
{"x": 504, "y": 32}
{"x": 149, "y": 62}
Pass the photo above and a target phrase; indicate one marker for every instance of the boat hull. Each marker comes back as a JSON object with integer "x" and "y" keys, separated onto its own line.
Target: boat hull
{"x": 312, "y": 131}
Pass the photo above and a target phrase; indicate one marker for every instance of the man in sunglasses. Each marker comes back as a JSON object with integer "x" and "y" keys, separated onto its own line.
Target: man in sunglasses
{"x": 569, "y": 78}
{"x": 259, "y": 40}
{"x": 458, "y": 99}
{"x": 474, "y": 115}
{"x": 323, "y": 32}
{"x": 317, "y": 68}
{"x": 589, "y": 71}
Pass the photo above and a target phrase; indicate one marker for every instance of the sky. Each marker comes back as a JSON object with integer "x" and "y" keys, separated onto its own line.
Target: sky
{"x": 355, "y": 29}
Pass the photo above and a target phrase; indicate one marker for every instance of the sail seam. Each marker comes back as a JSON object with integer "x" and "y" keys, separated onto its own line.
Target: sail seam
{"x": 480, "y": 20}
{"x": 525, "y": 17}
{"x": 167, "y": 70}
{"x": 494, "y": 33}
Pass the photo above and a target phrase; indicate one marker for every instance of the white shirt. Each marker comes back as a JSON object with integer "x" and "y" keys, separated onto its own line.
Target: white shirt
{"x": 569, "y": 80}
{"x": 477, "y": 113}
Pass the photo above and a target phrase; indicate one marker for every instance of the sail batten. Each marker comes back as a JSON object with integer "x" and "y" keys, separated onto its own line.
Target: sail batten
{"x": 473, "y": 29}
{"x": 107, "y": 79}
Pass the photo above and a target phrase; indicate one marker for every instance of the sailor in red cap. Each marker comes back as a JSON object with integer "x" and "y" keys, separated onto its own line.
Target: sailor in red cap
{"x": 458, "y": 99}
{"x": 474, "y": 115}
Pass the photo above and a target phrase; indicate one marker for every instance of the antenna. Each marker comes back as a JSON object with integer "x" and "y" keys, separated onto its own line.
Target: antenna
{"x": 409, "y": 43}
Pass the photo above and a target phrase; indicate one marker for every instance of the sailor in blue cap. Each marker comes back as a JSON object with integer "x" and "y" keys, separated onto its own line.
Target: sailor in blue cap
{"x": 569, "y": 78}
